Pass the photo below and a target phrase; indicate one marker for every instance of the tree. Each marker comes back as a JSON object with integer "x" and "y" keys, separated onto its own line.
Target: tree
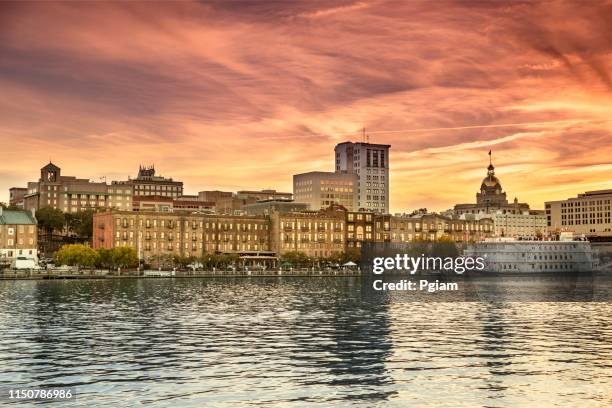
{"x": 81, "y": 223}
{"x": 50, "y": 219}
{"x": 164, "y": 261}
{"x": 105, "y": 259}
{"x": 11, "y": 207}
{"x": 124, "y": 257}
{"x": 76, "y": 255}
{"x": 445, "y": 247}
{"x": 295, "y": 259}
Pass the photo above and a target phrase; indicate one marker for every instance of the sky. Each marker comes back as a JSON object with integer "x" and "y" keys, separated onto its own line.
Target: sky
{"x": 241, "y": 95}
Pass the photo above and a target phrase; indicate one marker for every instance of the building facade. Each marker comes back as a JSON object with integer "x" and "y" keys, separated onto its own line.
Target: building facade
{"x": 171, "y": 204}
{"x": 370, "y": 162}
{"x": 432, "y": 227}
{"x": 315, "y": 233}
{"x": 259, "y": 195}
{"x": 71, "y": 194}
{"x": 491, "y": 199}
{"x": 185, "y": 234}
{"x": 227, "y": 202}
{"x": 529, "y": 224}
{"x": 16, "y": 195}
{"x": 588, "y": 214}
{"x": 267, "y": 207}
{"x": 147, "y": 183}
{"x": 320, "y": 189}
{"x": 18, "y": 236}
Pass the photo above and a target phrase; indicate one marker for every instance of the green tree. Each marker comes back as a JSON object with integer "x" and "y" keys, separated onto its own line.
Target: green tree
{"x": 164, "y": 261}
{"x": 81, "y": 223}
{"x": 295, "y": 259}
{"x": 105, "y": 259}
{"x": 50, "y": 219}
{"x": 445, "y": 247}
{"x": 76, "y": 255}
{"x": 351, "y": 255}
{"x": 124, "y": 257}
{"x": 11, "y": 207}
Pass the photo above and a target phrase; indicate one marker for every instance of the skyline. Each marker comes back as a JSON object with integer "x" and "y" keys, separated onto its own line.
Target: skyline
{"x": 100, "y": 88}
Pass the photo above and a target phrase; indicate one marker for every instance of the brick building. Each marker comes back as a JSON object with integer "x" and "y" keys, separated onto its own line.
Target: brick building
{"x": 18, "y": 235}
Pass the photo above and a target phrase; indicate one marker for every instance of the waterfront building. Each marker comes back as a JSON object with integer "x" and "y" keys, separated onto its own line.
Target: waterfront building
{"x": 320, "y": 189}
{"x": 18, "y": 235}
{"x": 180, "y": 233}
{"x": 370, "y": 162}
{"x": 529, "y": 224}
{"x": 587, "y": 214}
{"x": 71, "y": 194}
{"x": 491, "y": 198}
{"x": 147, "y": 183}
{"x": 315, "y": 233}
{"x": 359, "y": 228}
{"x": 431, "y": 227}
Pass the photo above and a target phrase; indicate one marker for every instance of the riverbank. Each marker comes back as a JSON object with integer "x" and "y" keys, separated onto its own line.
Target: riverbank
{"x": 105, "y": 274}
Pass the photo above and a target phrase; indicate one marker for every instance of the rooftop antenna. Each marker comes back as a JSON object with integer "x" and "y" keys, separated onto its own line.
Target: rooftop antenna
{"x": 365, "y": 137}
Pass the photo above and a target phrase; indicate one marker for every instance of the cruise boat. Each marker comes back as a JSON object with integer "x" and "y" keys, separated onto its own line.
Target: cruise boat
{"x": 506, "y": 255}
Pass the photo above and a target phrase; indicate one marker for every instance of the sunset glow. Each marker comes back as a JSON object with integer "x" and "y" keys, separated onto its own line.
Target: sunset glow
{"x": 241, "y": 95}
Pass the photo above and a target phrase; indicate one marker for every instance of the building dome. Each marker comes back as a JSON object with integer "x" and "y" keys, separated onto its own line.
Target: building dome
{"x": 491, "y": 181}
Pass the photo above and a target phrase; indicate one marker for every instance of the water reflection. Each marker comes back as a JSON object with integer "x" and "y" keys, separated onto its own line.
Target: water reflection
{"x": 298, "y": 342}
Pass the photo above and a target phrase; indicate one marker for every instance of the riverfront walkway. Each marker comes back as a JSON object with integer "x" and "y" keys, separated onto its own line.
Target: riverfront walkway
{"x": 105, "y": 274}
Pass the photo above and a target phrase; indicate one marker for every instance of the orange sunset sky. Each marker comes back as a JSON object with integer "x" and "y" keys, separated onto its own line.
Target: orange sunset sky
{"x": 241, "y": 95}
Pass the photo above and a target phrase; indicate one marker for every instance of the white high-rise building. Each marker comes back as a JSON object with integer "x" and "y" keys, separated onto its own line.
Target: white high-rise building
{"x": 371, "y": 164}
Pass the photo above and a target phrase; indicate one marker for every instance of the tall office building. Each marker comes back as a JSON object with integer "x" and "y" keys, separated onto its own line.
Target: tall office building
{"x": 320, "y": 189}
{"x": 370, "y": 162}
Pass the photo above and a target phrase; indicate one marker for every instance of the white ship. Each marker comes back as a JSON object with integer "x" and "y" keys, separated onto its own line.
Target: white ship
{"x": 504, "y": 255}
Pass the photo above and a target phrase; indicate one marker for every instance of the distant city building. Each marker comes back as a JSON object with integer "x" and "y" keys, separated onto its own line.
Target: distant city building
{"x": 320, "y": 189}
{"x": 18, "y": 235}
{"x": 149, "y": 184}
{"x": 587, "y": 214}
{"x": 267, "y": 207}
{"x": 16, "y": 195}
{"x": 491, "y": 199}
{"x": 264, "y": 195}
{"x": 171, "y": 204}
{"x": 230, "y": 203}
{"x": 71, "y": 194}
{"x": 215, "y": 195}
{"x": 370, "y": 162}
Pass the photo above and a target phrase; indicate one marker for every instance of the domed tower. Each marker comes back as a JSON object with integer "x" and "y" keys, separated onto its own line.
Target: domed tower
{"x": 491, "y": 192}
